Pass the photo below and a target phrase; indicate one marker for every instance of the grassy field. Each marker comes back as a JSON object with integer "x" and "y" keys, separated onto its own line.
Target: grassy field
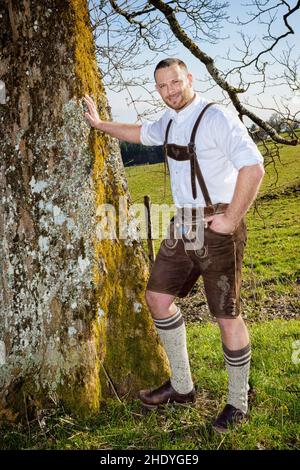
{"x": 275, "y": 405}
{"x": 271, "y": 290}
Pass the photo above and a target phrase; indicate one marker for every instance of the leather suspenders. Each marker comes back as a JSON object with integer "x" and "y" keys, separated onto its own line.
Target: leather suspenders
{"x": 183, "y": 153}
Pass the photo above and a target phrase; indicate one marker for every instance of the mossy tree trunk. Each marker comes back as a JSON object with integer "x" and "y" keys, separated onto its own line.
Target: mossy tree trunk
{"x": 72, "y": 308}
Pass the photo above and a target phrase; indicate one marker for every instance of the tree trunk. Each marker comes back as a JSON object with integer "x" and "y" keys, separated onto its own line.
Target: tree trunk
{"x": 72, "y": 308}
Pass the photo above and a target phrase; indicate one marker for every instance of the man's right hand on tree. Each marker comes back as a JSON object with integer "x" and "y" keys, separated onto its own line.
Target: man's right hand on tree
{"x": 125, "y": 132}
{"x": 92, "y": 115}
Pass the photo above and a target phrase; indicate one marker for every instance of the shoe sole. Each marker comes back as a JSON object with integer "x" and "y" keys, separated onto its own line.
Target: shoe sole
{"x": 220, "y": 430}
{"x": 232, "y": 427}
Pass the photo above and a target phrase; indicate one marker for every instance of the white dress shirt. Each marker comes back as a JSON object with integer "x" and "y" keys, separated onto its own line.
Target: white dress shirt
{"x": 223, "y": 147}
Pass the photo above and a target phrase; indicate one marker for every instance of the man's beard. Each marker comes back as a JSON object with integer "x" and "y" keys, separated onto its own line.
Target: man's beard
{"x": 184, "y": 100}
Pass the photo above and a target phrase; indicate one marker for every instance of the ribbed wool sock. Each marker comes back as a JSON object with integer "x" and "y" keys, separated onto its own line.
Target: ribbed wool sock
{"x": 172, "y": 334}
{"x": 238, "y": 367}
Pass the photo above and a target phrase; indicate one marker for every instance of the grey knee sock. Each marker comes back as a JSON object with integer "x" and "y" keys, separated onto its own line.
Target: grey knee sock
{"x": 172, "y": 334}
{"x": 238, "y": 367}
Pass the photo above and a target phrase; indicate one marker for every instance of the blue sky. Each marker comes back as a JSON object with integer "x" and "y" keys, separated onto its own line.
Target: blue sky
{"x": 122, "y": 112}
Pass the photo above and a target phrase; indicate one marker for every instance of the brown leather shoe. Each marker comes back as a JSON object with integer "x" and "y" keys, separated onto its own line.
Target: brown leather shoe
{"x": 165, "y": 394}
{"x": 230, "y": 416}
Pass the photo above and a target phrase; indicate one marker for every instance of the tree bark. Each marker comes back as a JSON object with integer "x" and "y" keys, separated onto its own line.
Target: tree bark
{"x": 73, "y": 319}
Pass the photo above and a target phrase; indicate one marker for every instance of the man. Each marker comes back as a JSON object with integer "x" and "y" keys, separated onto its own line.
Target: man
{"x": 215, "y": 168}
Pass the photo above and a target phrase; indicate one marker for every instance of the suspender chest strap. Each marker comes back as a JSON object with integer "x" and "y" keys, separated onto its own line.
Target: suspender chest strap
{"x": 183, "y": 153}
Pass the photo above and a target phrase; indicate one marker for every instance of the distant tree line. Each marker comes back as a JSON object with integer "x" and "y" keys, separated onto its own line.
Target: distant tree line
{"x": 137, "y": 154}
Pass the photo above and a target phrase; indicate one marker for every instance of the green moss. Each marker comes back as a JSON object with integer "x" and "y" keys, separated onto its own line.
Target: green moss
{"x": 134, "y": 357}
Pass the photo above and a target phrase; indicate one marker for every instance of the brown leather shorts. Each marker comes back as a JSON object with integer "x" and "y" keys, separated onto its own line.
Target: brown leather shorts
{"x": 176, "y": 270}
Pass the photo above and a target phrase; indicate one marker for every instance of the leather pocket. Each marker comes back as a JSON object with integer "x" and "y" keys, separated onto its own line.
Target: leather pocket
{"x": 221, "y": 234}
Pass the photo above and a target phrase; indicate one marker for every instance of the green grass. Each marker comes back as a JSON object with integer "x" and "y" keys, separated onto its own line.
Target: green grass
{"x": 275, "y": 405}
{"x": 283, "y": 171}
{"x": 273, "y": 242}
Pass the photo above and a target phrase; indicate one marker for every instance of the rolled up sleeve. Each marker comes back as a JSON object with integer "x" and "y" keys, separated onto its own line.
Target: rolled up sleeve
{"x": 232, "y": 136}
{"x": 152, "y": 132}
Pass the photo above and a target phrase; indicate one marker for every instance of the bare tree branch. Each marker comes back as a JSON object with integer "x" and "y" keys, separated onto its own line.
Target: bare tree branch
{"x": 157, "y": 24}
{"x": 275, "y": 39}
{"x": 214, "y": 72}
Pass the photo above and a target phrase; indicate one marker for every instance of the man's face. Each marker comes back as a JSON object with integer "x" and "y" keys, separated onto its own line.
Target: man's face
{"x": 175, "y": 86}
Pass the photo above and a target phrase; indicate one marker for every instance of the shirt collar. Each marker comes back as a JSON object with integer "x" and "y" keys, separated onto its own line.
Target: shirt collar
{"x": 186, "y": 112}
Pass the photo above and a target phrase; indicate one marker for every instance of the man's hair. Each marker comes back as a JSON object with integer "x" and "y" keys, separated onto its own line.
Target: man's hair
{"x": 168, "y": 62}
